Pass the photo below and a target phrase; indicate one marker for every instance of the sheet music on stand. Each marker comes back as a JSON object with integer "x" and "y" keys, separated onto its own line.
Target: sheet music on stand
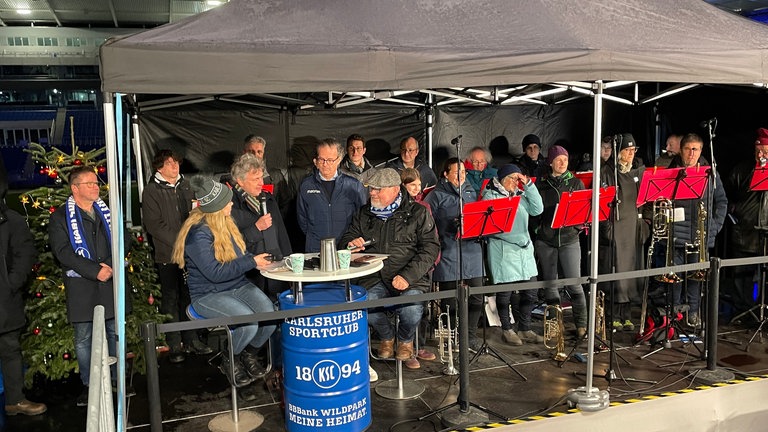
{"x": 673, "y": 183}
{"x": 759, "y": 181}
{"x": 575, "y": 208}
{"x": 484, "y": 218}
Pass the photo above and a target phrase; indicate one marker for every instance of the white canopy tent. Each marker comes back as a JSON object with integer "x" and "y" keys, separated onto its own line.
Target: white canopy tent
{"x": 384, "y": 46}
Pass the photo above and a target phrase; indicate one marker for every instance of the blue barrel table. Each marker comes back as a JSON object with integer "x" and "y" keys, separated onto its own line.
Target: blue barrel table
{"x": 325, "y": 363}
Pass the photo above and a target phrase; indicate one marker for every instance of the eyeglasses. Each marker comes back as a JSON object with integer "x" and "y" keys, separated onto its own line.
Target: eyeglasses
{"x": 87, "y": 183}
{"x": 355, "y": 149}
{"x": 322, "y": 161}
{"x": 407, "y": 150}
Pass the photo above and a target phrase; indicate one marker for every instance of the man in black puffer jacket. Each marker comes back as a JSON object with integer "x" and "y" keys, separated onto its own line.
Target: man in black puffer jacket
{"x": 405, "y": 230}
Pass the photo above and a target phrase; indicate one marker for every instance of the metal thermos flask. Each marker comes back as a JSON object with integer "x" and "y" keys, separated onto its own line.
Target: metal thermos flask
{"x": 328, "y": 261}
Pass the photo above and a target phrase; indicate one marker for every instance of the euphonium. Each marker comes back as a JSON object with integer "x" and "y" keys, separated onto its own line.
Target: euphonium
{"x": 701, "y": 243}
{"x": 554, "y": 331}
{"x": 663, "y": 218}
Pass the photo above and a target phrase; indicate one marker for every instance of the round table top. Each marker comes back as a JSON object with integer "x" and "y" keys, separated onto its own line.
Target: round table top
{"x": 278, "y": 270}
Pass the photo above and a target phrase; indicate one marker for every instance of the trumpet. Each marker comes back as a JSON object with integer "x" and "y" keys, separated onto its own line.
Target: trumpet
{"x": 554, "y": 331}
{"x": 701, "y": 244}
{"x": 446, "y": 338}
{"x": 663, "y": 218}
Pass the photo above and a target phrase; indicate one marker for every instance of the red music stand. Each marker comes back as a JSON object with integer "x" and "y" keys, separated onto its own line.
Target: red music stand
{"x": 673, "y": 183}
{"x": 269, "y": 188}
{"x": 575, "y": 208}
{"x": 759, "y": 182}
{"x": 484, "y": 218}
{"x": 585, "y": 177}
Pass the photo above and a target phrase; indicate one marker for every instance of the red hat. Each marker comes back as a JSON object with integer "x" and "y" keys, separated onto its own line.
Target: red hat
{"x": 762, "y": 137}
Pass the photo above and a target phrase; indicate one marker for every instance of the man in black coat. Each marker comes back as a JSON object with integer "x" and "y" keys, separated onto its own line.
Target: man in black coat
{"x": 17, "y": 249}
{"x": 80, "y": 234}
{"x": 166, "y": 202}
{"x": 404, "y": 229}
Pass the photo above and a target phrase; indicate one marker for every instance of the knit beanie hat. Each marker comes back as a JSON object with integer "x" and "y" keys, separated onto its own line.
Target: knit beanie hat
{"x": 762, "y": 137}
{"x": 531, "y": 139}
{"x": 554, "y": 152}
{"x": 211, "y": 195}
{"x": 507, "y": 170}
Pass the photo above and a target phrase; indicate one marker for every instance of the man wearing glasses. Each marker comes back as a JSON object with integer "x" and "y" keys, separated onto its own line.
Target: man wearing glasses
{"x": 327, "y": 198}
{"x": 409, "y": 151}
{"x": 355, "y": 164}
{"x": 80, "y": 236}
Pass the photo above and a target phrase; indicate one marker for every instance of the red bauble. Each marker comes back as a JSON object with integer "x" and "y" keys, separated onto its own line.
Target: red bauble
{"x": 53, "y": 174}
{"x": 151, "y": 299}
{"x": 140, "y": 239}
{"x": 65, "y": 356}
{"x": 36, "y": 331}
{"x": 42, "y": 170}
{"x": 52, "y": 209}
{"x": 78, "y": 162}
{"x": 101, "y": 169}
{"x": 39, "y": 294}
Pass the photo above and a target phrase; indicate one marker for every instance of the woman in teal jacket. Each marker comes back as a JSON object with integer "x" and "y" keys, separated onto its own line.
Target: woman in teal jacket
{"x": 510, "y": 255}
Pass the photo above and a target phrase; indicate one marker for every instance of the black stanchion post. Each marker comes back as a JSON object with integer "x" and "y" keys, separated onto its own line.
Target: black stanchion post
{"x": 149, "y": 334}
{"x": 712, "y": 375}
{"x": 712, "y": 300}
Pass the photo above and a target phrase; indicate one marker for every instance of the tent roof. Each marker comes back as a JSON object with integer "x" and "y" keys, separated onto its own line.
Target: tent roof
{"x": 280, "y": 46}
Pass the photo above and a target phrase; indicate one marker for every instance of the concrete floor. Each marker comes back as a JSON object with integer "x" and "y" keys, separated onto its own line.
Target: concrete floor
{"x": 194, "y": 392}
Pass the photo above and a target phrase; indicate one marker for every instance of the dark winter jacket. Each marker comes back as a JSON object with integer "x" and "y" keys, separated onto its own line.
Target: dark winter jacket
{"x": 205, "y": 275}
{"x": 273, "y": 240}
{"x": 17, "y": 255}
{"x": 321, "y": 216}
{"x": 428, "y": 177}
{"x": 165, "y": 207}
{"x": 533, "y": 168}
{"x": 550, "y": 189}
{"x": 444, "y": 202}
{"x": 685, "y": 230}
{"x": 83, "y": 293}
{"x": 749, "y": 210}
{"x": 347, "y": 167}
{"x": 408, "y": 236}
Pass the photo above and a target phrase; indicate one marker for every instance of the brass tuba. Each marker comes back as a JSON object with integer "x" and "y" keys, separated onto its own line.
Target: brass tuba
{"x": 663, "y": 218}
{"x": 701, "y": 244}
{"x": 554, "y": 331}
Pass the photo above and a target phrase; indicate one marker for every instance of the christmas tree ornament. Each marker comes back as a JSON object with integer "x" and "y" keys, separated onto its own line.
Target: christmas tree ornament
{"x": 151, "y": 299}
{"x": 36, "y": 331}
{"x": 50, "y": 324}
{"x": 78, "y": 162}
{"x": 66, "y": 356}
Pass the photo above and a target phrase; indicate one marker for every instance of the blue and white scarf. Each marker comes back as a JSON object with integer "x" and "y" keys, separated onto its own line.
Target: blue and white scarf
{"x": 386, "y": 212}
{"x": 75, "y": 228}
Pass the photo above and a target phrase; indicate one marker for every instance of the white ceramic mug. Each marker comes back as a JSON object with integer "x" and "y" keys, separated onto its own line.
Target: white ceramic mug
{"x": 295, "y": 262}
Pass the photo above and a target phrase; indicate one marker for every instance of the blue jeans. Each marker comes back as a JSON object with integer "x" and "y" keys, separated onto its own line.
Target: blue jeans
{"x": 83, "y": 335}
{"x": 246, "y": 300}
{"x": 410, "y": 315}
{"x": 569, "y": 258}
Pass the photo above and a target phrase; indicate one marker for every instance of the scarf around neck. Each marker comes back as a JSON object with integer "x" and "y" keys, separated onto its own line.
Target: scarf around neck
{"x": 386, "y": 212}
{"x": 75, "y": 228}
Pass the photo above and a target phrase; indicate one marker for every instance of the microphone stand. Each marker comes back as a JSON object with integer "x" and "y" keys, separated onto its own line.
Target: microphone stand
{"x": 468, "y": 413}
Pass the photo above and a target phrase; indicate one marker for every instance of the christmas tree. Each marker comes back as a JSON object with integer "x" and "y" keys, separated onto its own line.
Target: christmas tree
{"x": 48, "y": 343}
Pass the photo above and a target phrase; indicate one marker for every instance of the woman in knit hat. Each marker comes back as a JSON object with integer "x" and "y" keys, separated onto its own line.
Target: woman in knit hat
{"x": 212, "y": 251}
{"x": 560, "y": 246}
{"x": 510, "y": 255}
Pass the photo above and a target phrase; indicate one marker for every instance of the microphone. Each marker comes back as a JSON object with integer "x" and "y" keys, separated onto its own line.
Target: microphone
{"x": 456, "y": 140}
{"x": 706, "y": 123}
{"x": 264, "y": 210}
{"x": 365, "y": 243}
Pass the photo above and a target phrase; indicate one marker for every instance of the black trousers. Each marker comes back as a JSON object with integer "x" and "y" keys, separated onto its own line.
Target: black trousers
{"x": 10, "y": 360}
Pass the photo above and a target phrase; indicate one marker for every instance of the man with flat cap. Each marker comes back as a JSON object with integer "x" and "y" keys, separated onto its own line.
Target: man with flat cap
{"x": 404, "y": 229}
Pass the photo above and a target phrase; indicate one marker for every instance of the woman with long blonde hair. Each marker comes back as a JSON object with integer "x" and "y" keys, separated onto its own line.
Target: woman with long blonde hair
{"x": 212, "y": 252}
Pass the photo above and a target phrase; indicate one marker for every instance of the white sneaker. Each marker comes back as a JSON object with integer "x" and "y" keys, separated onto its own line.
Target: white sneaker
{"x": 373, "y": 375}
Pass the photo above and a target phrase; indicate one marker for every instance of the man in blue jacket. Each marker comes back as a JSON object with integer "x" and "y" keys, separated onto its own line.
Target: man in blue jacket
{"x": 327, "y": 198}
